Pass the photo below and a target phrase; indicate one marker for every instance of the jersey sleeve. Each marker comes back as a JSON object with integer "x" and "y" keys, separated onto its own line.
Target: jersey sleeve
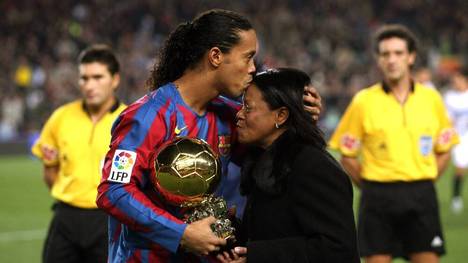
{"x": 127, "y": 167}
{"x": 348, "y": 135}
{"x": 46, "y": 147}
{"x": 447, "y": 136}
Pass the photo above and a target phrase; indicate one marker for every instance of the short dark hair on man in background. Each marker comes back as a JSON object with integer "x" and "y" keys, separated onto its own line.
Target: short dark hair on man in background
{"x": 395, "y": 30}
{"x": 100, "y": 53}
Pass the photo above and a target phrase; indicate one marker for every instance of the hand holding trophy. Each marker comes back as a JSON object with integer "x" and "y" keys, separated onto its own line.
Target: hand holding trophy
{"x": 187, "y": 173}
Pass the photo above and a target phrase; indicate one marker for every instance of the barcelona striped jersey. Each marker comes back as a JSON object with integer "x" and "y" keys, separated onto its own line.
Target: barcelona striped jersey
{"x": 142, "y": 227}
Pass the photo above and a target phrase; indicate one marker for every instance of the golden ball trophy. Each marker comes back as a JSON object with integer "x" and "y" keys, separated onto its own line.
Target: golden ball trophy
{"x": 187, "y": 173}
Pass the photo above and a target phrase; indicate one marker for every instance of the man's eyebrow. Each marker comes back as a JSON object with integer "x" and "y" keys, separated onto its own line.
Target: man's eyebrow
{"x": 251, "y": 53}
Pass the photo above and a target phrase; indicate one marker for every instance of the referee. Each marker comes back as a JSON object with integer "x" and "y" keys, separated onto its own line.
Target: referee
{"x": 403, "y": 134}
{"x": 72, "y": 146}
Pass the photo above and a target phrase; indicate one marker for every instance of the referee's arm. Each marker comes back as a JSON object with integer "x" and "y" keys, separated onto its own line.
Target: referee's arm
{"x": 442, "y": 160}
{"x": 353, "y": 167}
{"x": 50, "y": 175}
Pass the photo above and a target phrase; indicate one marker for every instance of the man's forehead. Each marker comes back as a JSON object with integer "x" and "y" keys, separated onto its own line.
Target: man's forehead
{"x": 393, "y": 43}
{"x": 93, "y": 68}
{"x": 248, "y": 40}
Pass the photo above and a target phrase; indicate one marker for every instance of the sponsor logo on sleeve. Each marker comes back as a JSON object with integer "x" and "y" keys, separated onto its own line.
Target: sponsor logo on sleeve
{"x": 122, "y": 166}
{"x": 350, "y": 142}
{"x": 50, "y": 153}
{"x": 446, "y": 136}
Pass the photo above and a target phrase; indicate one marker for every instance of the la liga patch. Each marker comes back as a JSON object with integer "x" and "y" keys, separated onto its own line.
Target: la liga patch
{"x": 350, "y": 142}
{"x": 446, "y": 136}
{"x": 122, "y": 166}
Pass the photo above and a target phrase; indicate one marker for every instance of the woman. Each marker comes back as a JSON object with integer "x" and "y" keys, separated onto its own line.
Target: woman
{"x": 299, "y": 206}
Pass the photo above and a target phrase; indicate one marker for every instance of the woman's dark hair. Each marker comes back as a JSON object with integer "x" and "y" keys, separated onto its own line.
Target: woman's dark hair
{"x": 100, "y": 53}
{"x": 284, "y": 87}
{"x": 395, "y": 30}
{"x": 188, "y": 43}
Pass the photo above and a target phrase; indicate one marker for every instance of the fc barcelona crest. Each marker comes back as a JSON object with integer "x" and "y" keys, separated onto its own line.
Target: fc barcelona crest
{"x": 224, "y": 144}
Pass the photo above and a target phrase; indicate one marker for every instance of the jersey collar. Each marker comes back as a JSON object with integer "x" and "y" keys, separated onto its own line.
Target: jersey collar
{"x": 386, "y": 88}
{"x": 114, "y": 107}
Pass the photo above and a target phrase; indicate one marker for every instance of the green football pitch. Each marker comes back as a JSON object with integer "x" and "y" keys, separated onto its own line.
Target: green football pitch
{"x": 25, "y": 213}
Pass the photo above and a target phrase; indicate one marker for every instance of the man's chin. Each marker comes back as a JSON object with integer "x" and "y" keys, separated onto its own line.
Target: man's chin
{"x": 242, "y": 140}
{"x": 92, "y": 104}
{"x": 393, "y": 78}
{"x": 235, "y": 96}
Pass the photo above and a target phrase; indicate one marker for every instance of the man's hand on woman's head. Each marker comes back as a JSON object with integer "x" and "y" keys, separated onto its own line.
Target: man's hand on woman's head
{"x": 312, "y": 102}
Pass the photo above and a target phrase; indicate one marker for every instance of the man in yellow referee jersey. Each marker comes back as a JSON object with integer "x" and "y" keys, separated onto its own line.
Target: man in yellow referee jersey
{"x": 401, "y": 130}
{"x": 72, "y": 146}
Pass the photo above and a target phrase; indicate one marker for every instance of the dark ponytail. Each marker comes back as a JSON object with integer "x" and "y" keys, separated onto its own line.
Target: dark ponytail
{"x": 187, "y": 44}
{"x": 171, "y": 59}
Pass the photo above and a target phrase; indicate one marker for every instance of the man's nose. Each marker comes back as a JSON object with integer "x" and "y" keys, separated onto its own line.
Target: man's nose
{"x": 89, "y": 84}
{"x": 252, "y": 67}
{"x": 240, "y": 114}
{"x": 392, "y": 58}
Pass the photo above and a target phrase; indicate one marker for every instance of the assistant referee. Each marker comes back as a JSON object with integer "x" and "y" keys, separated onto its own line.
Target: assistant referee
{"x": 72, "y": 146}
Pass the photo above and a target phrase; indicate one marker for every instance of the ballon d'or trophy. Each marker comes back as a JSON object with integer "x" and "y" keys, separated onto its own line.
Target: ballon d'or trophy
{"x": 187, "y": 173}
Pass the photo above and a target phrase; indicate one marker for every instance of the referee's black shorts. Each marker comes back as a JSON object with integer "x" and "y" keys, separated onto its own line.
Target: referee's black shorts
{"x": 76, "y": 235}
{"x": 399, "y": 219}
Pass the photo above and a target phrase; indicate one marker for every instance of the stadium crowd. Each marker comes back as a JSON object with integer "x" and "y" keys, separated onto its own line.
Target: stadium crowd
{"x": 327, "y": 39}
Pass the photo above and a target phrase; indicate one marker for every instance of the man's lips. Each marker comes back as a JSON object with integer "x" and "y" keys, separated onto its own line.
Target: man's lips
{"x": 91, "y": 96}
{"x": 247, "y": 84}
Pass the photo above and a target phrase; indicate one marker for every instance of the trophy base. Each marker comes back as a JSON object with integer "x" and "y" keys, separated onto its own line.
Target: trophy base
{"x": 211, "y": 206}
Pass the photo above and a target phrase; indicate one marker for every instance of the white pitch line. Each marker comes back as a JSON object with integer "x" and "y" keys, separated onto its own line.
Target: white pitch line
{"x": 25, "y": 235}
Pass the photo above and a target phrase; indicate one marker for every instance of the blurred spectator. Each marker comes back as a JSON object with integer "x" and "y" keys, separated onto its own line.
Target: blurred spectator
{"x": 12, "y": 116}
{"x": 23, "y": 74}
{"x": 456, "y": 100}
{"x": 423, "y": 75}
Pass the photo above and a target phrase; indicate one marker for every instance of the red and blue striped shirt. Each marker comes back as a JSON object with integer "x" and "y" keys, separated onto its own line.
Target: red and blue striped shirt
{"x": 143, "y": 228}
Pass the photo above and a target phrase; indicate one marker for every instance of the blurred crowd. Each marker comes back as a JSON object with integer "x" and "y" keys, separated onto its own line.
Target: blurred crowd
{"x": 330, "y": 39}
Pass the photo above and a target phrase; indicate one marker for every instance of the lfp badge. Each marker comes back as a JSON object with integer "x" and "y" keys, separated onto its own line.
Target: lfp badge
{"x": 123, "y": 160}
{"x": 122, "y": 166}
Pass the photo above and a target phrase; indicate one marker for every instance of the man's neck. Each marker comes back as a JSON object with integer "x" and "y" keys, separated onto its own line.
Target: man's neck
{"x": 400, "y": 88}
{"x": 197, "y": 90}
{"x": 97, "y": 112}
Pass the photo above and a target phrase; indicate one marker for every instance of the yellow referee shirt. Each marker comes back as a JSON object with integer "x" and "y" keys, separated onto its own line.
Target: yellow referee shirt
{"x": 81, "y": 147}
{"x": 397, "y": 142}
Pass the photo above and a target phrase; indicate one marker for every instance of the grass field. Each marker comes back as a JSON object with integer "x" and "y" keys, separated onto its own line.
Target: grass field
{"x": 25, "y": 214}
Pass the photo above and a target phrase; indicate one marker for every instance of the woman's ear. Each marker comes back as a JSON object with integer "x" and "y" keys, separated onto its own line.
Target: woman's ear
{"x": 282, "y": 115}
